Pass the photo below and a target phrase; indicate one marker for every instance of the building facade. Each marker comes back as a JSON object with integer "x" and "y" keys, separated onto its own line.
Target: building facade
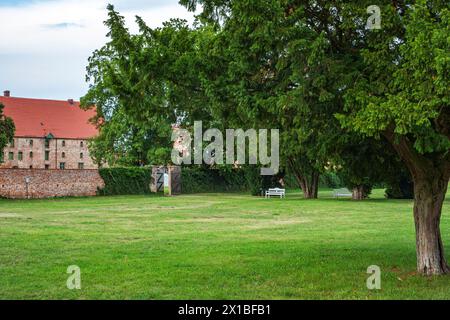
{"x": 50, "y": 134}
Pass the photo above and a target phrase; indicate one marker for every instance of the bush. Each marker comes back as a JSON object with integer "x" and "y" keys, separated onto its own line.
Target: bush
{"x": 123, "y": 181}
{"x": 330, "y": 180}
{"x": 290, "y": 182}
{"x": 402, "y": 189}
{"x": 203, "y": 179}
{"x": 194, "y": 179}
{"x": 258, "y": 183}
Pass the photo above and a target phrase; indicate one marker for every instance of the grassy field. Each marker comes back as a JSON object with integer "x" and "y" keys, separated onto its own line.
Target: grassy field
{"x": 216, "y": 246}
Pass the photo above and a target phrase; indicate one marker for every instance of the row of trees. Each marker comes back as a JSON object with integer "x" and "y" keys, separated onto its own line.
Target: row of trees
{"x": 367, "y": 102}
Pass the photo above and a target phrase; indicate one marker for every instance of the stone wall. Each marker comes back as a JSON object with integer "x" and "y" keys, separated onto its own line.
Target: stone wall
{"x": 48, "y": 183}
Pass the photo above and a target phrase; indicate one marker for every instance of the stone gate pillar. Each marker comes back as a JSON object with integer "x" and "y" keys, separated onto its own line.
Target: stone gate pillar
{"x": 157, "y": 179}
{"x": 174, "y": 180}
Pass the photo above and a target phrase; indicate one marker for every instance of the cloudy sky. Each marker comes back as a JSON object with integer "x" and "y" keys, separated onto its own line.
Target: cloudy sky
{"x": 44, "y": 44}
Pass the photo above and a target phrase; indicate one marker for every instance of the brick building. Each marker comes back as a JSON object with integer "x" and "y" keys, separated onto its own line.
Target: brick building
{"x": 50, "y": 134}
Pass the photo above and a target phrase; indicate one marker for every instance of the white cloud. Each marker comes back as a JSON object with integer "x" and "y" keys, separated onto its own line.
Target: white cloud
{"x": 44, "y": 45}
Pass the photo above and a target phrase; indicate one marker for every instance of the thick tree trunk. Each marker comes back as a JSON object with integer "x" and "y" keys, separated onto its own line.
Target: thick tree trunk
{"x": 430, "y": 174}
{"x": 358, "y": 193}
{"x": 309, "y": 185}
{"x": 304, "y": 186}
{"x": 429, "y": 197}
{"x": 315, "y": 185}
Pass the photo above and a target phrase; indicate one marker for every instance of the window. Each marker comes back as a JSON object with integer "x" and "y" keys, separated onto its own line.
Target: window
{"x": 47, "y": 143}
{"x": 81, "y": 166}
{"x": 62, "y": 165}
{"x": 47, "y": 167}
{"x": 81, "y": 144}
{"x": 63, "y": 143}
{"x": 2, "y": 157}
{"x": 11, "y": 156}
{"x": 81, "y": 155}
{"x": 31, "y": 167}
{"x": 12, "y": 143}
{"x": 31, "y": 154}
{"x": 63, "y": 155}
{"x": 20, "y": 156}
{"x": 31, "y": 143}
{"x": 47, "y": 155}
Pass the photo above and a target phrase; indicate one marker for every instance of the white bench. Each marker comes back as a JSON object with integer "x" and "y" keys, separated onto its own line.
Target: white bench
{"x": 344, "y": 192}
{"x": 276, "y": 192}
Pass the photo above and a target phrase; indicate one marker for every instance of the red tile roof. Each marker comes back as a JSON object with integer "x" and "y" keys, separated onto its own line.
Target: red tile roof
{"x": 39, "y": 117}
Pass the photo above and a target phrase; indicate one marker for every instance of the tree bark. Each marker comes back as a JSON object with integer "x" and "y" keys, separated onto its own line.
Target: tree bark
{"x": 309, "y": 186}
{"x": 315, "y": 185}
{"x": 358, "y": 193}
{"x": 430, "y": 175}
{"x": 429, "y": 197}
{"x": 304, "y": 186}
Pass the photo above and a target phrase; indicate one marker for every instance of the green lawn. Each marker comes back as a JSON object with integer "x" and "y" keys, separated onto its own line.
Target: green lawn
{"x": 215, "y": 246}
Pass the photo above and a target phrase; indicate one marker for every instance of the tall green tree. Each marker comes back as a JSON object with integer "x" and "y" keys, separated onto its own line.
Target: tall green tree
{"x": 141, "y": 86}
{"x": 7, "y": 130}
{"x": 123, "y": 143}
{"x": 403, "y": 95}
{"x": 271, "y": 72}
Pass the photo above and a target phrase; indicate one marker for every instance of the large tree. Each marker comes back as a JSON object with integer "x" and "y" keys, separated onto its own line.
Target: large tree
{"x": 403, "y": 95}
{"x": 123, "y": 143}
{"x": 271, "y": 72}
{"x": 141, "y": 86}
{"x": 7, "y": 130}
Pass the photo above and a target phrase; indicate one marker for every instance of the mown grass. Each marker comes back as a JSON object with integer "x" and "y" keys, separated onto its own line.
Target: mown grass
{"x": 215, "y": 246}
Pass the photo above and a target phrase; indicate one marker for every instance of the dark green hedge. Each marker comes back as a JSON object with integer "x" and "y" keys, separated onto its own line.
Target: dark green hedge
{"x": 195, "y": 179}
{"x": 200, "y": 179}
{"x": 401, "y": 189}
{"x": 122, "y": 181}
{"x": 203, "y": 179}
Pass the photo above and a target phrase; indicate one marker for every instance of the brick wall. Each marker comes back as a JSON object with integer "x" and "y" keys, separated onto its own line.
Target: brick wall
{"x": 48, "y": 183}
{"x": 68, "y": 151}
